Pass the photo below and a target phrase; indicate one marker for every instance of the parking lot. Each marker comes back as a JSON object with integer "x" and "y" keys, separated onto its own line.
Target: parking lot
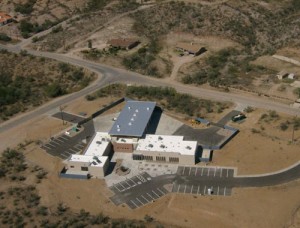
{"x": 57, "y": 147}
{"x": 199, "y": 189}
{"x": 63, "y": 145}
{"x": 216, "y": 172}
{"x": 147, "y": 197}
{"x": 137, "y": 191}
{"x": 130, "y": 183}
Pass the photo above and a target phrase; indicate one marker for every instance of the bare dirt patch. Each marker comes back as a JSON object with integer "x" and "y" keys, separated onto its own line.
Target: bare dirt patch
{"x": 268, "y": 150}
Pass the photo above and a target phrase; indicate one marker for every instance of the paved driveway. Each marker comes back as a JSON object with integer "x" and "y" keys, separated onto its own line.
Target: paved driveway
{"x": 63, "y": 146}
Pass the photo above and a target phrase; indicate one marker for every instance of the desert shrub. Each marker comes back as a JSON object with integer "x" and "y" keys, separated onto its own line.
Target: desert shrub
{"x": 42, "y": 210}
{"x": 64, "y": 67}
{"x": 284, "y": 126}
{"x": 148, "y": 218}
{"x": 4, "y": 37}
{"x": 142, "y": 59}
{"x": 54, "y": 90}
{"x": 255, "y": 131}
{"x": 94, "y": 5}
{"x": 249, "y": 109}
{"x": 26, "y": 8}
{"x": 57, "y": 29}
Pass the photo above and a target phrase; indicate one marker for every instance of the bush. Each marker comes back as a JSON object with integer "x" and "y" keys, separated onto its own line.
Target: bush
{"x": 249, "y": 109}
{"x": 148, "y": 218}
{"x": 26, "y": 8}
{"x": 284, "y": 126}
{"x": 4, "y": 37}
{"x": 54, "y": 90}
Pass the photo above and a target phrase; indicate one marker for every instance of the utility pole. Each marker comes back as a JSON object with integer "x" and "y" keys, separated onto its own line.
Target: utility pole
{"x": 293, "y": 134}
{"x": 61, "y": 114}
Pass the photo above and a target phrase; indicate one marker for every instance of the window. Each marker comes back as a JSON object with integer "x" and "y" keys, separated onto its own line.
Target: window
{"x": 173, "y": 159}
{"x": 84, "y": 168}
{"x": 149, "y": 158}
{"x": 161, "y": 159}
{"x": 137, "y": 157}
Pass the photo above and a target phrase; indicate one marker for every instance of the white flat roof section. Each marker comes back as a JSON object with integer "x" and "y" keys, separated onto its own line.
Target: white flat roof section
{"x": 98, "y": 145}
{"x": 98, "y": 161}
{"x": 133, "y": 119}
{"x": 168, "y": 144}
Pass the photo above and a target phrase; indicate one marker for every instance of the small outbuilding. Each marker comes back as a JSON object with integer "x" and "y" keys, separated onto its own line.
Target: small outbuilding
{"x": 123, "y": 43}
{"x": 5, "y": 18}
{"x": 190, "y": 48}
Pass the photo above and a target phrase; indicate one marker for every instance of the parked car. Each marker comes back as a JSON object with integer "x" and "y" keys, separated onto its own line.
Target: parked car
{"x": 238, "y": 117}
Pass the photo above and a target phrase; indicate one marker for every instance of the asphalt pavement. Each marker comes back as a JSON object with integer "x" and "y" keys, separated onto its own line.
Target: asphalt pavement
{"x": 215, "y": 181}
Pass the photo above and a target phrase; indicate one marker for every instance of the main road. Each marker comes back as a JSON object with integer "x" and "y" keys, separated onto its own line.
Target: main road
{"x": 109, "y": 74}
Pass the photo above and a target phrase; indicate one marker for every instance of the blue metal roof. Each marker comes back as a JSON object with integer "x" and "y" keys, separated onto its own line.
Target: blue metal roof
{"x": 133, "y": 119}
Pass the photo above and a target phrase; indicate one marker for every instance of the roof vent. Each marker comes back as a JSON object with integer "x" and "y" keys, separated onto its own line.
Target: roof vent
{"x": 129, "y": 123}
{"x": 129, "y": 107}
{"x": 118, "y": 129}
{"x": 136, "y": 110}
{"x": 99, "y": 142}
{"x": 97, "y": 159}
{"x": 118, "y": 126}
{"x": 148, "y": 108}
{"x": 134, "y": 114}
{"x": 188, "y": 147}
{"x": 132, "y": 119}
{"x": 162, "y": 146}
{"x": 150, "y": 145}
{"x": 160, "y": 138}
{"x": 123, "y": 140}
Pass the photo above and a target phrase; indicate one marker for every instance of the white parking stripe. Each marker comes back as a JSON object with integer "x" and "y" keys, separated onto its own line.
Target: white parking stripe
{"x": 218, "y": 190}
{"x": 204, "y": 190}
{"x": 122, "y": 185}
{"x": 221, "y": 172}
{"x": 208, "y": 172}
{"x": 178, "y": 188}
{"x": 74, "y": 151}
{"x": 198, "y": 189}
{"x": 61, "y": 141}
{"x": 47, "y": 147}
{"x": 227, "y": 172}
{"x": 196, "y": 171}
{"x": 134, "y": 203}
{"x": 145, "y": 199}
{"x": 190, "y": 171}
{"x": 224, "y": 191}
{"x": 127, "y": 184}
{"x": 184, "y": 189}
{"x": 53, "y": 144}
{"x": 139, "y": 201}
{"x": 215, "y": 171}
{"x": 64, "y": 155}
{"x": 161, "y": 191}
{"x": 133, "y": 182}
{"x": 150, "y": 196}
{"x": 202, "y": 171}
{"x": 117, "y": 188}
{"x": 192, "y": 189}
{"x": 155, "y": 193}
{"x": 183, "y": 169}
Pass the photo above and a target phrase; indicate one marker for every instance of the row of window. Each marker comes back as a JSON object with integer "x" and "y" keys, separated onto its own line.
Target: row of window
{"x": 158, "y": 158}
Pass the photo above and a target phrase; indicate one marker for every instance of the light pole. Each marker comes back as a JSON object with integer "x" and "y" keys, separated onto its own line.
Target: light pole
{"x": 61, "y": 114}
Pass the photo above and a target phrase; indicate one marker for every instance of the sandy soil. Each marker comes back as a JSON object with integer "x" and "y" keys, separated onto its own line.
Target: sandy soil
{"x": 252, "y": 207}
{"x": 267, "y": 151}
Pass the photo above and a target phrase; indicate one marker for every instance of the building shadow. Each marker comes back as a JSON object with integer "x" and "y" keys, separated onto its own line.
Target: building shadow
{"x": 154, "y": 121}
